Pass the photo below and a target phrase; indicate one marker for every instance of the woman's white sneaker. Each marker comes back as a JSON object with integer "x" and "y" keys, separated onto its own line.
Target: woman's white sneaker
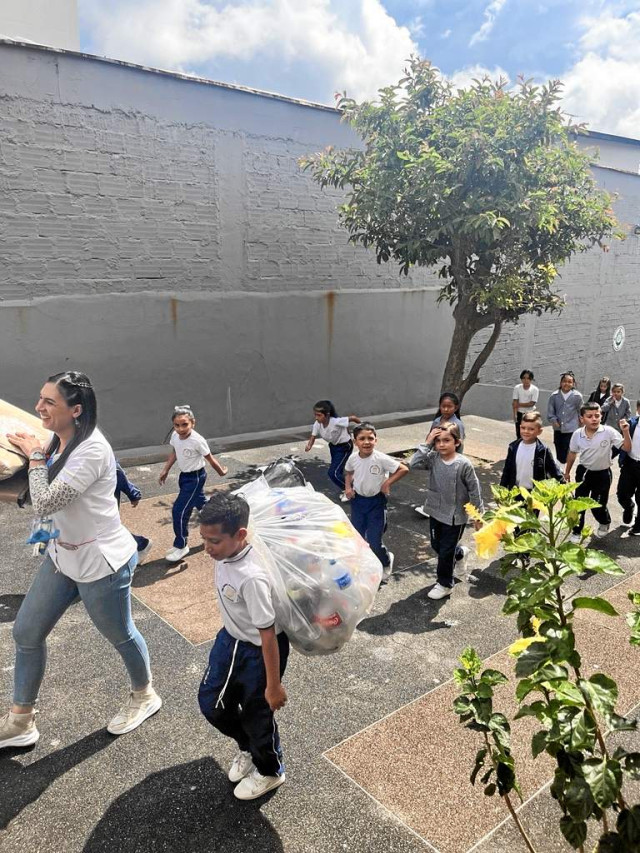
{"x": 241, "y": 766}
{"x": 140, "y": 705}
{"x": 18, "y": 730}
{"x": 255, "y": 785}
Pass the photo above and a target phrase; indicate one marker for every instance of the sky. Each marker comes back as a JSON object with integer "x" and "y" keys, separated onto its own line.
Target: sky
{"x": 311, "y": 49}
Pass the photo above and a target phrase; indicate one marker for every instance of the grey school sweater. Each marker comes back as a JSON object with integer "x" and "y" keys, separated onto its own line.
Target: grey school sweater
{"x": 450, "y": 486}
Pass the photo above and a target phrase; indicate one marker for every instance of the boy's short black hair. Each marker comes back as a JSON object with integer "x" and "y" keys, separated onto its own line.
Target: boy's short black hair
{"x": 590, "y": 407}
{"x": 231, "y": 512}
{"x": 363, "y": 426}
{"x": 527, "y": 372}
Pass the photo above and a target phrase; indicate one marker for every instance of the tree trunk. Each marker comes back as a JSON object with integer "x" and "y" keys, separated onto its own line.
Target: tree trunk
{"x": 467, "y": 325}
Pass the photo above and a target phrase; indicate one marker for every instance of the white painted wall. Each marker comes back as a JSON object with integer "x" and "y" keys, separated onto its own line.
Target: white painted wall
{"x": 50, "y": 22}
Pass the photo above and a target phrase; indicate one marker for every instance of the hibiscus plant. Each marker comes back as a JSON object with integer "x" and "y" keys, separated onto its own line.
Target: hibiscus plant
{"x": 576, "y": 714}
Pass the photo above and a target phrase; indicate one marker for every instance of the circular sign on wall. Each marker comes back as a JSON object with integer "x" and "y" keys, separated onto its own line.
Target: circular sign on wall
{"x": 618, "y": 338}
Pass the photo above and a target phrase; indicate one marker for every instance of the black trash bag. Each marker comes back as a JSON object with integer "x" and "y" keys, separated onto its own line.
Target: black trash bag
{"x": 283, "y": 474}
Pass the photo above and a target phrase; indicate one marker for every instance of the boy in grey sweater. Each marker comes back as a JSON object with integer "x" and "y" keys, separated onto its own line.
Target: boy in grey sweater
{"x": 453, "y": 483}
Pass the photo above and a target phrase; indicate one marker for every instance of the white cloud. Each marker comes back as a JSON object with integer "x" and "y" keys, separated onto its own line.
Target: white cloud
{"x": 602, "y": 87}
{"x": 463, "y": 78}
{"x": 446, "y": 34}
{"x": 356, "y": 46}
{"x": 491, "y": 13}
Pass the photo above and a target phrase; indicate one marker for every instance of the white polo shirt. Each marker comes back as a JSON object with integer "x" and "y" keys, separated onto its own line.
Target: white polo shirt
{"x": 93, "y": 542}
{"x": 595, "y": 452}
{"x": 335, "y": 432}
{"x": 524, "y": 464}
{"x": 525, "y": 395}
{"x": 244, "y": 590}
{"x": 370, "y": 472}
{"x": 635, "y": 445}
{"x": 190, "y": 451}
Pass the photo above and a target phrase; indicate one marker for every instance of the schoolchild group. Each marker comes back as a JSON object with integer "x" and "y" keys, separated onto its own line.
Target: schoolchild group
{"x": 242, "y": 686}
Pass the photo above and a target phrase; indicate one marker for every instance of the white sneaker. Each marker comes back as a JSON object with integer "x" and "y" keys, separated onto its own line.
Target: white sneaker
{"x": 575, "y": 538}
{"x": 176, "y": 554}
{"x": 343, "y": 498}
{"x": 140, "y": 705}
{"x": 142, "y": 555}
{"x": 461, "y": 564}
{"x": 602, "y": 530}
{"x": 255, "y": 785}
{"x": 439, "y": 591}
{"x": 18, "y": 730}
{"x": 421, "y": 511}
{"x": 241, "y": 766}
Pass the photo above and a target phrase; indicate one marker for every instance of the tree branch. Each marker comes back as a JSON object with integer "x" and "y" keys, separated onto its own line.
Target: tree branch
{"x": 472, "y": 376}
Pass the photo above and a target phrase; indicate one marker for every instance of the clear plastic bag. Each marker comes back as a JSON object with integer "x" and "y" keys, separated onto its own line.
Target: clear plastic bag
{"x": 325, "y": 575}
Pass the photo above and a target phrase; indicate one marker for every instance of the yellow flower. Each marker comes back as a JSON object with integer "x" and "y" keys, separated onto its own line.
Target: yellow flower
{"x": 472, "y": 512}
{"x": 524, "y": 642}
{"x": 488, "y": 538}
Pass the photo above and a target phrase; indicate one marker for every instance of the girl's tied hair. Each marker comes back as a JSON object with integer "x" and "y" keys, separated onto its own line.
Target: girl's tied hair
{"x": 450, "y": 395}
{"x": 326, "y": 407}
{"x": 76, "y": 390}
{"x": 184, "y": 409}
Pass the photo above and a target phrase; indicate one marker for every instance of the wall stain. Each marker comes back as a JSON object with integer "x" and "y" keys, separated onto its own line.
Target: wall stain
{"x": 330, "y": 296}
{"x": 173, "y": 307}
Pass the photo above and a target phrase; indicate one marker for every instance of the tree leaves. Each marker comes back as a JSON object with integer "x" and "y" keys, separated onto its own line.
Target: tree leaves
{"x": 597, "y": 603}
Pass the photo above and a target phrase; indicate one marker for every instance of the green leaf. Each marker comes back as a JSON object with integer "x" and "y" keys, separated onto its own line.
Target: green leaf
{"x": 462, "y": 705}
{"x": 500, "y": 728}
{"x": 568, "y": 693}
{"x": 601, "y": 691}
{"x": 479, "y": 764}
{"x": 524, "y": 687}
{"x": 628, "y": 825}
{"x": 616, "y": 723}
{"x": 583, "y": 732}
{"x": 538, "y": 743}
{"x": 574, "y": 832}
{"x": 578, "y": 799}
{"x": 531, "y": 659}
{"x": 471, "y": 661}
{"x": 604, "y": 777}
{"x": 493, "y": 677}
{"x": 550, "y": 673}
{"x": 506, "y": 779}
{"x": 597, "y": 603}
{"x": 597, "y": 561}
{"x": 576, "y": 505}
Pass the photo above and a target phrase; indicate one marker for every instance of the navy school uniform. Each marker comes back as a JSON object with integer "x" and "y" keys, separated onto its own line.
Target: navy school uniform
{"x": 336, "y": 434}
{"x": 133, "y": 493}
{"x": 190, "y": 453}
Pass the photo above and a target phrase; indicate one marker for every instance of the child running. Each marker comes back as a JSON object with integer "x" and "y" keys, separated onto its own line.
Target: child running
{"x": 453, "y": 484}
{"x": 594, "y": 442}
{"x": 190, "y": 451}
{"x": 369, "y": 475}
{"x": 525, "y": 397}
{"x": 528, "y": 459}
{"x": 563, "y": 413}
{"x": 448, "y": 409}
{"x": 335, "y": 432}
{"x": 242, "y": 686}
{"x": 133, "y": 493}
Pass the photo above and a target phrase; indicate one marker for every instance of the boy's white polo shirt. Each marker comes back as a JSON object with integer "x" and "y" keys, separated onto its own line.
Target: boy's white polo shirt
{"x": 335, "y": 432}
{"x": 190, "y": 451}
{"x": 595, "y": 452}
{"x": 370, "y": 472}
{"x": 245, "y": 595}
{"x": 635, "y": 445}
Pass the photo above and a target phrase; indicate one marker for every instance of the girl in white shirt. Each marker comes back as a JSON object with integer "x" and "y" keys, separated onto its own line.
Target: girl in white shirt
{"x": 335, "y": 432}
{"x": 190, "y": 450}
{"x": 90, "y": 555}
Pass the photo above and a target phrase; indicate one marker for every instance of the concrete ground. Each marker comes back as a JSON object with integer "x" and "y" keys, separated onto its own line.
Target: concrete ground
{"x": 376, "y": 760}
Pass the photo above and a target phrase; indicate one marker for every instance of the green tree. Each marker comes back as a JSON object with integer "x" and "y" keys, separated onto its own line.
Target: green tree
{"x": 485, "y": 183}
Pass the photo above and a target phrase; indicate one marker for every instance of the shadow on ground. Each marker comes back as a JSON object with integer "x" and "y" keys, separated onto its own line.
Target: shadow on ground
{"x": 22, "y": 785}
{"x": 189, "y": 807}
{"x": 9, "y": 606}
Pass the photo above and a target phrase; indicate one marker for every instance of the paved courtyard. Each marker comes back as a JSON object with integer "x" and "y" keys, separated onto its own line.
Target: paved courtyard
{"x": 376, "y": 760}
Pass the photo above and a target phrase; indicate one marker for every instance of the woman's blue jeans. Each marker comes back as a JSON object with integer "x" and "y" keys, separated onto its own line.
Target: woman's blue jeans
{"x": 108, "y": 603}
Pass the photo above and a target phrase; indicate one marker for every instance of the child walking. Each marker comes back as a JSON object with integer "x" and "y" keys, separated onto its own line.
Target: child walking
{"x": 616, "y": 408}
{"x": 335, "y": 432}
{"x": 133, "y": 493}
{"x": 602, "y": 392}
{"x": 448, "y": 409}
{"x": 525, "y": 397}
{"x": 453, "y": 484}
{"x": 629, "y": 482}
{"x": 563, "y": 413}
{"x": 190, "y": 451}
{"x": 593, "y": 443}
{"x": 241, "y": 688}
{"x": 369, "y": 475}
{"x": 528, "y": 459}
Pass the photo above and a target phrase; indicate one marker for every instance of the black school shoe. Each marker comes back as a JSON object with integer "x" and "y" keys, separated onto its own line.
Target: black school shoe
{"x": 627, "y": 515}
